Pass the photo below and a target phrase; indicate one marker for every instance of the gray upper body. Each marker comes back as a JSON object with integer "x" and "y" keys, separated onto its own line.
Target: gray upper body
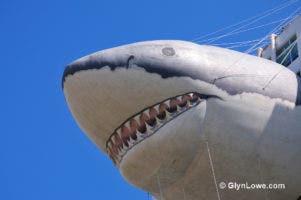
{"x": 229, "y": 70}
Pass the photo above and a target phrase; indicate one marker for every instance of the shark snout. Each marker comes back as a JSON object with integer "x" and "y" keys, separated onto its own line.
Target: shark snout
{"x": 105, "y": 89}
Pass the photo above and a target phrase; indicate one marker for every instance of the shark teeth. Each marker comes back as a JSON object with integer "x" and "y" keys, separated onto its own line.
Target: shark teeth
{"x": 157, "y": 107}
{"x": 147, "y": 123}
{"x": 137, "y": 119}
{"x": 127, "y": 125}
{"x": 131, "y": 142}
{"x": 122, "y": 151}
{"x": 148, "y": 127}
{"x": 167, "y": 102}
{"x": 140, "y": 136}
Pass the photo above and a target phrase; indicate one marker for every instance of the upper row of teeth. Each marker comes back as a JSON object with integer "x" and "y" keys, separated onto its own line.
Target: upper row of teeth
{"x": 146, "y": 123}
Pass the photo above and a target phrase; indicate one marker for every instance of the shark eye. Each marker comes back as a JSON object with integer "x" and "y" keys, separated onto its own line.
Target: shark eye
{"x": 168, "y": 51}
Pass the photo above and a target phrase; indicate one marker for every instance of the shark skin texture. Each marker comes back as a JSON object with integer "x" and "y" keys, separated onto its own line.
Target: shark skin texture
{"x": 178, "y": 119}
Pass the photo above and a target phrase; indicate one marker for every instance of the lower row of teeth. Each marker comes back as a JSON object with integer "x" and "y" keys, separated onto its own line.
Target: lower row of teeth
{"x": 146, "y": 123}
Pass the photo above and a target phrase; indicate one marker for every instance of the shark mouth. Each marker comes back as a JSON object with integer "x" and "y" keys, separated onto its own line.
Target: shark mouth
{"x": 147, "y": 122}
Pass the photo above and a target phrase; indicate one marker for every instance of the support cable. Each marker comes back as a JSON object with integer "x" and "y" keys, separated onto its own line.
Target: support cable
{"x": 286, "y": 4}
{"x": 255, "y": 46}
{"x": 238, "y": 30}
{"x": 285, "y": 57}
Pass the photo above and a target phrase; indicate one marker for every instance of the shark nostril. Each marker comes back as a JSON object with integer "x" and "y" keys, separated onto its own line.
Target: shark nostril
{"x": 168, "y": 51}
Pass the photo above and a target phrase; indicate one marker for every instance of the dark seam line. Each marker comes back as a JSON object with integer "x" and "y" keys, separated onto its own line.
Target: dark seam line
{"x": 71, "y": 70}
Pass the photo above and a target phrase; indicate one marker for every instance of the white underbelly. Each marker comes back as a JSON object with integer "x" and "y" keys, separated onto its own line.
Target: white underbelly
{"x": 243, "y": 143}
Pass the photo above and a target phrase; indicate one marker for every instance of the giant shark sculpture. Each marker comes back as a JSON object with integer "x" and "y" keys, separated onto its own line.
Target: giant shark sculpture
{"x": 180, "y": 120}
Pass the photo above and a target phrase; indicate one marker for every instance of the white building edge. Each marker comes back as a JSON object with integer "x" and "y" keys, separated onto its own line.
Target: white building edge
{"x": 285, "y": 47}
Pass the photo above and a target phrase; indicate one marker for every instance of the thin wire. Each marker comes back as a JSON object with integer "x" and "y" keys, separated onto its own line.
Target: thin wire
{"x": 273, "y": 78}
{"x": 275, "y": 29}
{"x": 243, "y": 21}
{"x": 289, "y": 48}
{"x": 252, "y": 22}
{"x": 161, "y": 195}
{"x": 241, "y": 31}
{"x": 256, "y": 27}
{"x": 261, "y": 176}
{"x": 213, "y": 173}
{"x": 240, "y": 42}
{"x": 255, "y": 46}
{"x": 244, "y": 45}
{"x": 184, "y": 194}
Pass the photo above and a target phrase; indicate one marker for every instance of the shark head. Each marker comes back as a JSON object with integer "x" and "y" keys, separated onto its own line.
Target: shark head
{"x": 143, "y": 104}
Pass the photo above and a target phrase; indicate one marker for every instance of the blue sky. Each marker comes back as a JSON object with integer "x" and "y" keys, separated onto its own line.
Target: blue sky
{"x": 43, "y": 153}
